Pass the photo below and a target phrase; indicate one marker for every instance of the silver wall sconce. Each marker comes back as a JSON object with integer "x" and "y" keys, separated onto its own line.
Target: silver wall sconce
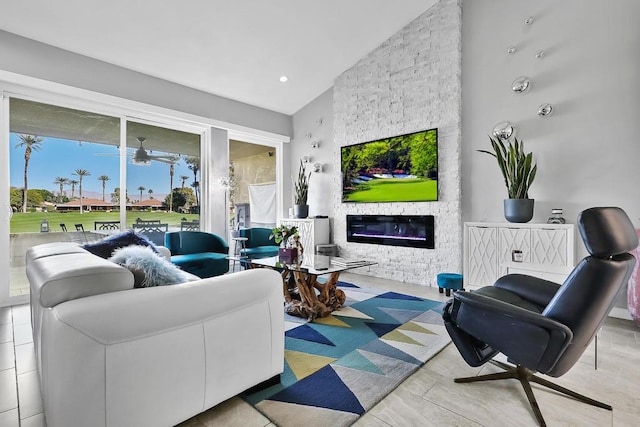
{"x": 540, "y": 54}
{"x": 306, "y": 159}
{"x": 504, "y": 130}
{"x": 521, "y": 84}
{"x": 511, "y": 50}
{"x": 529, "y": 20}
{"x": 317, "y": 167}
{"x": 545, "y": 110}
{"x": 315, "y": 144}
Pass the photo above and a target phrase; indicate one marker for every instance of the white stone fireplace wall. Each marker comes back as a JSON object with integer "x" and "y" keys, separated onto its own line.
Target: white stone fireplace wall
{"x": 411, "y": 82}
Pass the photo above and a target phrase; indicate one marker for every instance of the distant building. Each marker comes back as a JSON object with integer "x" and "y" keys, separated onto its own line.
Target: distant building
{"x": 87, "y": 204}
{"x": 153, "y": 204}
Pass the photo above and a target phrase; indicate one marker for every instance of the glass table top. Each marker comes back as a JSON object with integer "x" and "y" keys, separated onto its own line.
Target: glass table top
{"x": 316, "y": 264}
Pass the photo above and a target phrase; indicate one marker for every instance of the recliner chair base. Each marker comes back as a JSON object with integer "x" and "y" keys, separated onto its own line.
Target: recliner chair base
{"x": 525, "y": 377}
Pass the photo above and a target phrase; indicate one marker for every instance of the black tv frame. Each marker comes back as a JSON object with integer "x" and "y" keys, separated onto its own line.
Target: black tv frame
{"x": 389, "y": 137}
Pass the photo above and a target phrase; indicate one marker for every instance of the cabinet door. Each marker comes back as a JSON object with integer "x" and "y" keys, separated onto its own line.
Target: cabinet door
{"x": 513, "y": 239}
{"x": 307, "y": 235}
{"x": 482, "y": 256}
{"x": 305, "y": 231}
{"x": 549, "y": 246}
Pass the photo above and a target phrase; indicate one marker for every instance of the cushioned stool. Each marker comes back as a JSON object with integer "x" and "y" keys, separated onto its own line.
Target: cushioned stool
{"x": 449, "y": 281}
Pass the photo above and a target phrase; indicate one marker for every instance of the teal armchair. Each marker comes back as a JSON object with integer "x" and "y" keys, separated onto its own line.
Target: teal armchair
{"x": 258, "y": 244}
{"x": 197, "y": 252}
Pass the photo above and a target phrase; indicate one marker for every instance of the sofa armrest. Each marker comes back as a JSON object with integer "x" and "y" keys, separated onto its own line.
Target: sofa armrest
{"x": 58, "y": 278}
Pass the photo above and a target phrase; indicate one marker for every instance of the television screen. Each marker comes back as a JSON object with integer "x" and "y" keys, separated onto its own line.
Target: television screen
{"x": 398, "y": 169}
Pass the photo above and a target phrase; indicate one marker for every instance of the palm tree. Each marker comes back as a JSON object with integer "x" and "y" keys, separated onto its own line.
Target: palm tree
{"x": 61, "y": 182}
{"x": 73, "y": 183}
{"x": 196, "y": 188}
{"x": 194, "y": 165}
{"x": 150, "y": 193}
{"x": 141, "y": 189}
{"x": 80, "y": 173}
{"x": 183, "y": 178}
{"x": 104, "y": 179}
{"x": 174, "y": 160}
{"x": 30, "y": 142}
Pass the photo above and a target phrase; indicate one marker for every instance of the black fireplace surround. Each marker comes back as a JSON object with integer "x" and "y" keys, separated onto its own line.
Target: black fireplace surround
{"x": 415, "y": 231}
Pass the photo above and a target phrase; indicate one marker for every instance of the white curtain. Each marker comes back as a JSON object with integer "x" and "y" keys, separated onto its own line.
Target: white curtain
{"x": 262, "y": 205}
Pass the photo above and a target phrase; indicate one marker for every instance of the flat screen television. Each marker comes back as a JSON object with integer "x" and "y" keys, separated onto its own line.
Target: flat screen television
{"x": 402, "y": 168}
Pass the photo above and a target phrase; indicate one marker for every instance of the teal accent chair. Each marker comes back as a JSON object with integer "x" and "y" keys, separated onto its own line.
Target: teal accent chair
{"x": 258, "y": 244}
{"x": 197, "y": 252}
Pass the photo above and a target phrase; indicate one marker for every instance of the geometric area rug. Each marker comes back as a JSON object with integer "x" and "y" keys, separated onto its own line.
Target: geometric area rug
{"x": 338, "y": 367}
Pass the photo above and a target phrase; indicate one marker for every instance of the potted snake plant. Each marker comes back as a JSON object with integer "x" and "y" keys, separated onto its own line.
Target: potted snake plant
{"x": 301, "y": 188}
{"x": 518, "y": 171}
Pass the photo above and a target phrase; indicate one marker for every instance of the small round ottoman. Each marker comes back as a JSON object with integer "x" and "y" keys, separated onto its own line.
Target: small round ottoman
{"x": 449, "y": 281}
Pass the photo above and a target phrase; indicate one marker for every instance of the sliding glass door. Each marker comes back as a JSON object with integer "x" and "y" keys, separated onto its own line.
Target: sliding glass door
{"x": 163, "y": 180}
{"x": 77, "y": 175}
{"x": 252, "y": 185}
{"x": 54, "y": 167}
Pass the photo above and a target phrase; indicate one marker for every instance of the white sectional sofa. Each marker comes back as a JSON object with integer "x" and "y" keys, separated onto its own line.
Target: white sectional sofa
{"x": 112, "y": 355}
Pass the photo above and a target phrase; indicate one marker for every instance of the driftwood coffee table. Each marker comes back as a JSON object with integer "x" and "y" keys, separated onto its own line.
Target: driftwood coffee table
{"x": 304, "y": 296}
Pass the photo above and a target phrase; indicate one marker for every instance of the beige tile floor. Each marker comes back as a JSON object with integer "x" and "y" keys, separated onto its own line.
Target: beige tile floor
{"x": 427, "y": 398}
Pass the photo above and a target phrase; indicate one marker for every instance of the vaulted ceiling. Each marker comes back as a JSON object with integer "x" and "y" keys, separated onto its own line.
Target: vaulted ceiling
{"x": 235, "y": 49}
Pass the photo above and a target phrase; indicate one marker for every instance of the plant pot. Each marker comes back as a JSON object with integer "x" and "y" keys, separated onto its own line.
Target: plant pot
{"x": 518, "y": 210}
{"x": 288, "y": 255}
{"x": 300, "y": 211}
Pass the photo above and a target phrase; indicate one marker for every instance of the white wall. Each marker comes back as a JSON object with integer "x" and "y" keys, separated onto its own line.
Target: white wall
{"x": 588, "y": 150}
{"x": 31, "y": 58}
{"x": 409, "y": 83}
{"x": 314, "y": 122}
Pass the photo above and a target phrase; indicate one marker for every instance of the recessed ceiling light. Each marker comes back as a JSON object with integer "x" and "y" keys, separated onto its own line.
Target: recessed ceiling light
{"x": 283, "y": 79}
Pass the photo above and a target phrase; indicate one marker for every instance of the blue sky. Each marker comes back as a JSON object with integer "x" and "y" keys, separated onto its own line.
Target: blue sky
{"x": 59, "y": 157}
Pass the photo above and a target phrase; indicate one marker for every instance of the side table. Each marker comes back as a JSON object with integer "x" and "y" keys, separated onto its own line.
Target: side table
{"x": 238, "y": 255}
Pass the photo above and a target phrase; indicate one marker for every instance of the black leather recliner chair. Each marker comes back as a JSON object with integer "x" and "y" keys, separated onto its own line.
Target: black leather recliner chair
{"x": 542, "y": 326}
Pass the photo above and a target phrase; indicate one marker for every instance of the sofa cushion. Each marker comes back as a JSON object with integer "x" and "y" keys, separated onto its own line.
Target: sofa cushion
{"x": 105, "y": 247}
{"x": 261, "y": 251}
{"x": 197, "y": 258}
{"x": 205, "y": 264}
{"x": 58, "y": 278}
{"x": 148, "y": 267}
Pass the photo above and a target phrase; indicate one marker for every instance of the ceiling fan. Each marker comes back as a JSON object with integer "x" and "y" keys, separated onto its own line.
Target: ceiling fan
{"x": 142, "y": 157}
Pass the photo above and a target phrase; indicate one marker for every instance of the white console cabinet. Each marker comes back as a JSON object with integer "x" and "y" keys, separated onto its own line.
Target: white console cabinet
{"x": 492, "y": 250}
{"x": 312, "y": 231}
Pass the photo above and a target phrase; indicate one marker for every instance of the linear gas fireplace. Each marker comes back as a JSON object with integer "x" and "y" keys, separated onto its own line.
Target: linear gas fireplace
{"x": 415, "y": 231}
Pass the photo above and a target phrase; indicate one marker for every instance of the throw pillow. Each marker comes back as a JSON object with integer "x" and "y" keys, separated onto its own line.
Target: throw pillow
{"x": 148, "y": 268}
{"x": 105, "y": 247}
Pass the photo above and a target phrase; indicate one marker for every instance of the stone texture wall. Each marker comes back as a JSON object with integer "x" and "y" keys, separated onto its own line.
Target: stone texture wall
{"x": 410, "y": 83}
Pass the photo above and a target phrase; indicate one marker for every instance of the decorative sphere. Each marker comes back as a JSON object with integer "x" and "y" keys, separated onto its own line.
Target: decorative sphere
{"x": 504, "y": 130}
{"x": 521, "y": 84}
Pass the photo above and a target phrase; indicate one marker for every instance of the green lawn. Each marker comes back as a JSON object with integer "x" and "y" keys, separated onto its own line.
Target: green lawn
{"x": 394, "y": 190}
{"x": 30, "y": 222}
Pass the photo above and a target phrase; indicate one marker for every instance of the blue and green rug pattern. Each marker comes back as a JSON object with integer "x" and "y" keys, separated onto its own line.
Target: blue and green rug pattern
{"x": 338, "y": 367}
